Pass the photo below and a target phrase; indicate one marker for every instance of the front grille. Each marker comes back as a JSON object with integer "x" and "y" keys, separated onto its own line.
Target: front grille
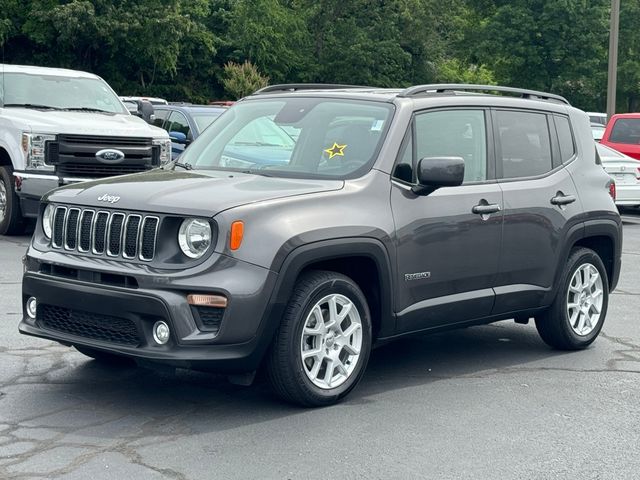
{"x": 75, "y": 155}
{"x": 116, "y": 234}
{"x": 89, "y": 325}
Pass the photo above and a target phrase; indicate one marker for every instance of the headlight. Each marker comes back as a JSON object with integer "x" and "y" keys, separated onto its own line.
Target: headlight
{"x": 47, "y": 220}
{"x": 34, "y": 150}
{"x": 165, "y": 149}
{"x": 194, "y": 237}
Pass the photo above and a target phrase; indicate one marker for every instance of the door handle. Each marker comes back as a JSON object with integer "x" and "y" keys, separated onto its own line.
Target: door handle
{"x": 485, "y": 209}
{"x": 562, "y": 199}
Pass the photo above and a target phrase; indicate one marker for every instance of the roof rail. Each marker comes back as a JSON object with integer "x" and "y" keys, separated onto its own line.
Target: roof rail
{"x": 294, "y": 87}
{"x": 445, "y": 87}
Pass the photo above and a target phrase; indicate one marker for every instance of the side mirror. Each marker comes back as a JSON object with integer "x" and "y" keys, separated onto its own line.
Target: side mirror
{"x": 178, "y": 137}
{"x": 436, "y": 172}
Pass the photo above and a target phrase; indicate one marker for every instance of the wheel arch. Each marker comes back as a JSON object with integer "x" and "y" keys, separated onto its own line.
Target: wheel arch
{"x": 364, "y": 260}
{"x": 5, "y": 158}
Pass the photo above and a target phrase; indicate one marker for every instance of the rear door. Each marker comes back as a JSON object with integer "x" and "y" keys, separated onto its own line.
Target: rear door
{"x": 540, "y": 203}
{"x": 447, "y": 248}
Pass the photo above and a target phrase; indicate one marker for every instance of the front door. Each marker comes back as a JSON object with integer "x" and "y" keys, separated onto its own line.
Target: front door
{"x": 448, "y": 243}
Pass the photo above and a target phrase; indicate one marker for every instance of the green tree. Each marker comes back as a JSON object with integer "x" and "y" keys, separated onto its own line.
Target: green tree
{"x": 242, "y": 79}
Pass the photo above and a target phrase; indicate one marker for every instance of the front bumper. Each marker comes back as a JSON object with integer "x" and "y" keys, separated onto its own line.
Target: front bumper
{"x": 31, "y": 187}
{"x": 238, "y": 346}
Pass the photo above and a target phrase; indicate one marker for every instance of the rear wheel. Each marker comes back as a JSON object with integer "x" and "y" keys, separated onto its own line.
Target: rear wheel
{"x": 11, "y": 222}
{"x": 576, "y": 316}
{"x": 322, "y": 346}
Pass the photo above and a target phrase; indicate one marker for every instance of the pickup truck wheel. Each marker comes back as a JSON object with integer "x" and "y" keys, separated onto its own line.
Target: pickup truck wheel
{"x": 576, "y": 316}
{"x": 322, "y": 346}
{"x": 10, "y": 216}
{"x": 104, "y": 357}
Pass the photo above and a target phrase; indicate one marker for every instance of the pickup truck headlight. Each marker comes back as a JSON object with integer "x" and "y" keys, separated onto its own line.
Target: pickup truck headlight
{"x": 194, "y": 237}
{"x": 33, "y": 148}
{"x": 165, "y": 149}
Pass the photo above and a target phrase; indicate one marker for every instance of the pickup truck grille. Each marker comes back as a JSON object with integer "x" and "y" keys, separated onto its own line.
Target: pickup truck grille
{"x": 75, "y": 155}
{"x": 105, "y": 233}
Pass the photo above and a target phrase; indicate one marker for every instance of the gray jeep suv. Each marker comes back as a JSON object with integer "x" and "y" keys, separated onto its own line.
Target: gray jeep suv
{"x": 312, "y": 222}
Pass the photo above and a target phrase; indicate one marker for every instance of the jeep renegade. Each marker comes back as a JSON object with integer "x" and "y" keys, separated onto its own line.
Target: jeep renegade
{"x": 312, "y": 222}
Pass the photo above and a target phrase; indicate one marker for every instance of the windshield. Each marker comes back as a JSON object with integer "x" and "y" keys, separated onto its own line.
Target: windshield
{"x": 626, "y": 130}
{"x": 301, "y": 137}
{"x": 56, "y": 92}
{"x": 203, "y": 120}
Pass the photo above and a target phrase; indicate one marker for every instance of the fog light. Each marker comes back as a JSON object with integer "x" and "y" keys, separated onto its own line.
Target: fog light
{"x": 161, "y": 333}
{"x": 32, "y": 307}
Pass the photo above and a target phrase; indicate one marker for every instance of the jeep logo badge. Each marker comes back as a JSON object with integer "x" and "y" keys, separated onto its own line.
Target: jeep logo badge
{"x": 110, "y": 155}
{"x": 108, "y": 198}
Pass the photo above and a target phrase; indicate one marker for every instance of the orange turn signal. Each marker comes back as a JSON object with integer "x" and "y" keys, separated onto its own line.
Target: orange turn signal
{"x": 202, "y": 300}
{"x": 237, "y": 231}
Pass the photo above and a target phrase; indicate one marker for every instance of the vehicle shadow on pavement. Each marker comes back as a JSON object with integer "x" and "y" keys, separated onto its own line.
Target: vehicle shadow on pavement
{"x": 207, "y": 402}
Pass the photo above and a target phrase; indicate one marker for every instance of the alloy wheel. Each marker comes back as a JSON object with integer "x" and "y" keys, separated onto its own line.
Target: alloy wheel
{"x": 584, "y": 299}
{"x": 331, "y": 341}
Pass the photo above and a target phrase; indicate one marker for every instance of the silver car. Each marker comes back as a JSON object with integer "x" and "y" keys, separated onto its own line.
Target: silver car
{"x": 626, "y": 173}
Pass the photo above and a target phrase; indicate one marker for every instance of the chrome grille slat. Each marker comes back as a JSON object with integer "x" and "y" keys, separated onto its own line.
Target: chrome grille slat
{"x": 148, "y": 238}
{"x": 115, "y": 234}
{"x": 130, "y": 237}
{"x": 71, "y": 229}
{"x": 58, "y": 227}
{"x": 86, "y": 230}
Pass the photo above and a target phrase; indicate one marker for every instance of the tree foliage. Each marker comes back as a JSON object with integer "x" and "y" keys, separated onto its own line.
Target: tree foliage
{"x": 179, "y": 48}
{"x": 242, "y": 79}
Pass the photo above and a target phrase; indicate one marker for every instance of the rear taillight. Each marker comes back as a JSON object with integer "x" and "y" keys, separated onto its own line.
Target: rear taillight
{"x": 612, "y": 190}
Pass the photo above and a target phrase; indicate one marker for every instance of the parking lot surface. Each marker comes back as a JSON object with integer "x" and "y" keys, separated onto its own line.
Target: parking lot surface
{"x": 484, "y": 403}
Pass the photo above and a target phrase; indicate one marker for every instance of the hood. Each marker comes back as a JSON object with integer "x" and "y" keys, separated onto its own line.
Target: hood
{"x": 202, "y": 193}
{"x": 81, "y": 123}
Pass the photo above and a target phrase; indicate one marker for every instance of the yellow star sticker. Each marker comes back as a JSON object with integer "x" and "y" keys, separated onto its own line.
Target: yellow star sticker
{"x": 336, "y": 150}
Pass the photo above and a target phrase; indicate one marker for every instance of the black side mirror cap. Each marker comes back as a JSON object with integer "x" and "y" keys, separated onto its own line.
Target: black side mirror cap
{"x": 436, "y": 172}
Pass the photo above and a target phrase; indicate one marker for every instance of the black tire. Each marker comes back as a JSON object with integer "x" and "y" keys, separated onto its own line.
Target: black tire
{"x": 12, "y": 221}
{"x": 553, "y": 325}
{"x": 284, "y": 365}
{"x": 104, "y": 357}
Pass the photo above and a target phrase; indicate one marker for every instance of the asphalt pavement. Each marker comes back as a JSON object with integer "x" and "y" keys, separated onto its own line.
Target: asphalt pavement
{"x": 490, "y": 402}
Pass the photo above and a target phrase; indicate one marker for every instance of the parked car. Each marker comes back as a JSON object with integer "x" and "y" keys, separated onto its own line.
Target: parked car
{"x": 398, "y": 212}
{"x": 597, "y": 131}
{"x": 598, "y": 117}
{"x": 185, "y": 122}
{"x": 626, "y": 173}
{"x": 62, "y": 126}
{"x": 623, "y": 134}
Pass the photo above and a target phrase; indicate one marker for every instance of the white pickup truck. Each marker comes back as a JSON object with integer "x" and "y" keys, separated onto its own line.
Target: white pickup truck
{"x": 63, "y": 126}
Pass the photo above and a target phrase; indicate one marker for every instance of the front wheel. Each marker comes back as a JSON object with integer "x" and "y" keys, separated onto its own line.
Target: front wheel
{"x": 576, "y": 316}
{"x": 11, "y": 222}
{"x": 322, "y": 346}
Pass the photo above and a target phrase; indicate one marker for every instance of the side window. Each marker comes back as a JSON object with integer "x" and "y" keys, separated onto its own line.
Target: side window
{"x": 454, "y": 133}
{"x": 161, "y": 116}
{"x": 565, "y": 138}
{"x": 178, "y": 123}
{"x": 525, "y": 144}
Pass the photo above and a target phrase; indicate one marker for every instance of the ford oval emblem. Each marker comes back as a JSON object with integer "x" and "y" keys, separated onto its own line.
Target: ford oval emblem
{"x": 110, "y": 155}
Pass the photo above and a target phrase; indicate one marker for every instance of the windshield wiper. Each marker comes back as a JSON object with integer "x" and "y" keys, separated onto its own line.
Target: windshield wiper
{"x": 87, "y": 109}
{"x": 32, "y": 105}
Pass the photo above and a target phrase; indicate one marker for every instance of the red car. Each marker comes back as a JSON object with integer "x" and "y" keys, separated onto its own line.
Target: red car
{"x": 623, "y": 134}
